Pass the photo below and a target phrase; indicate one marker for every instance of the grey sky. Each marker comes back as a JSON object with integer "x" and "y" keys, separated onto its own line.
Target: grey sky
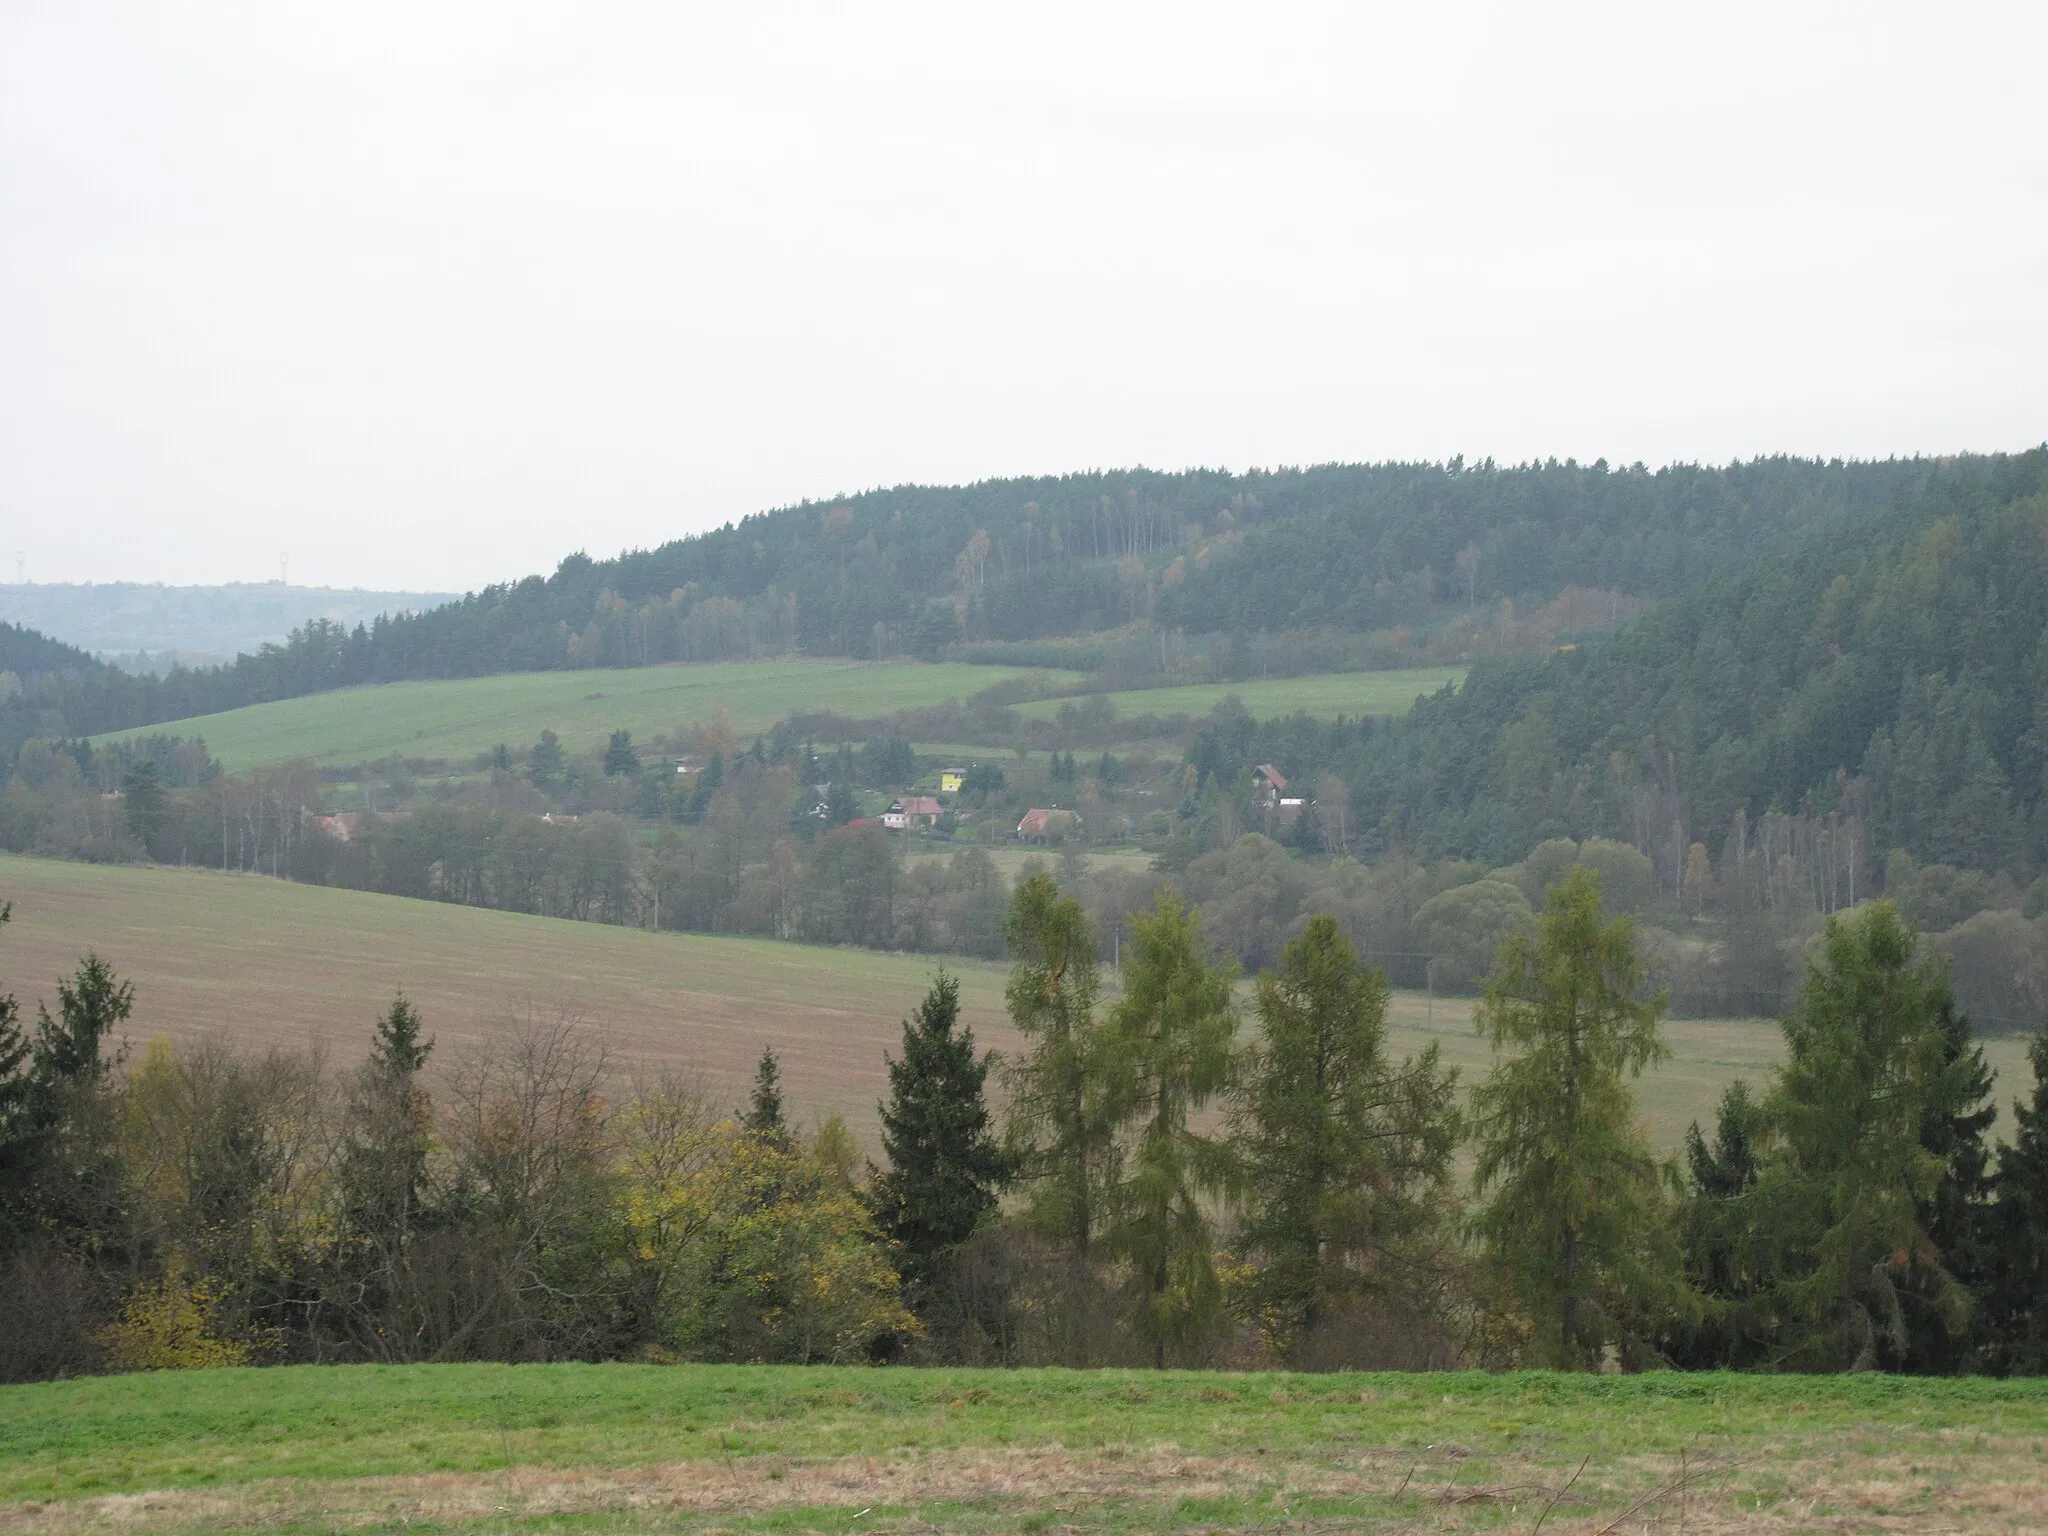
{"x": 431, "y": 294}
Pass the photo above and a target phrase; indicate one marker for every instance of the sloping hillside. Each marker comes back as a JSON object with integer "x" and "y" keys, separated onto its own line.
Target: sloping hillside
{"x": 1893, "y": 675}
{"x": 1389, "y": 548}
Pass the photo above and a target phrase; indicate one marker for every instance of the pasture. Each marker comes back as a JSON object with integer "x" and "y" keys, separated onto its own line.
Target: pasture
{"x": 1326, "y": 694}
{"x": 476, "y": 1448}
{"x": 458, "y": 718}
{"x": 263, "y": 962}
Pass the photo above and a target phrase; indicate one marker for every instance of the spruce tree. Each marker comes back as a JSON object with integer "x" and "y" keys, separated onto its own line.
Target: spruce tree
{"x": 1719, "y": 1256}
{"x": 58, "y": 1162}
{"x": 764, "y": 1105}
{"x": 1844, "y": 1202}
{"x": 144, "y": 804}
{"x": 945, "y": 1167}
{"x": 2014, "y": 1295}
{"x": 1574, "y": 1215}
{"x": 1956, "y": 1217}
{"x": 1342, "y": 1156}
{"x": 387, "y": 1140}
{"x": 398, "y": 1050}
{"x": 18, "y": 1136}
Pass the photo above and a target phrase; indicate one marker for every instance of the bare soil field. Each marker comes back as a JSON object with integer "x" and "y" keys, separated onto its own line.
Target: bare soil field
{"x": 270, "y": 963}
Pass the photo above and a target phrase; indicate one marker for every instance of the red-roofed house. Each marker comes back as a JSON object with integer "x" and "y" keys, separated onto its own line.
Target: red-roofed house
{"x": 912, "y": 811}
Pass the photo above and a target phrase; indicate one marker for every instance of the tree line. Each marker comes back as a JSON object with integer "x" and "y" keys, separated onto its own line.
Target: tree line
{"x": 1155, "y": 1183}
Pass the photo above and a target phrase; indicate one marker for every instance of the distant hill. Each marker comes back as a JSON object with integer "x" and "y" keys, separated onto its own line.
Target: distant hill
{"x": 1883, "y": 685}
{"x": 1357, "y": 547}
{"x": 124, "y": 618}
{"x": 1390, "y": 550}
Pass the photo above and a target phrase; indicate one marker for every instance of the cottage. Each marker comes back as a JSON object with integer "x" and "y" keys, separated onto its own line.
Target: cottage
{"x": 342, "y": 826}
{"x": 1045, "y": 824}
{"x": 912, "y": 811}
{"x": 950, "y": 781}
{"x": 1268, "y": 784}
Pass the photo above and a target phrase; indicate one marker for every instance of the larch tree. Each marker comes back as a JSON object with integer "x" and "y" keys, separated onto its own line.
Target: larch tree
{"x": 1342, "y": 1158}
{"x": 1167, "y": 1054}
{"x": 1573, "y": 1211}
{"x": 1059, "y": 1124}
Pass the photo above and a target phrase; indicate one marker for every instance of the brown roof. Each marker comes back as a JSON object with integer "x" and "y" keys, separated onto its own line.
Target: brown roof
{"x": 1271, "y": 775}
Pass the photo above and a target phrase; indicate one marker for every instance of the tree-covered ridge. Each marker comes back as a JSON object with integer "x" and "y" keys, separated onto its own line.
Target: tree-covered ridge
{"x": 1362, "y": 548}
{"x": 1890, "y": 674}
{"x": 1362, "y": 551}
{"x": 30, "y": 654}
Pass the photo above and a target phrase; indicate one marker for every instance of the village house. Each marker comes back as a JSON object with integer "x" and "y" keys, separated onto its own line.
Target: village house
{"x": 912, "y": 811}
{"x": 950, "y": 782}
{"x": 1043, "y": 824}
{"x": 1269, "y": 789}
{"x": 341, "y": 826}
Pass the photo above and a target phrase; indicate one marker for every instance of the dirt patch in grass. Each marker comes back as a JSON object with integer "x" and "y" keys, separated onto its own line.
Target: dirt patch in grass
{"x": 1990, "y": 1486}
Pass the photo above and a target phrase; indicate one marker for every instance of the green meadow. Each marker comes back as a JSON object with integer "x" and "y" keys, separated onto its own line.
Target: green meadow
{"x": 476, "y": 1448}
{"x": 458, "y": 718}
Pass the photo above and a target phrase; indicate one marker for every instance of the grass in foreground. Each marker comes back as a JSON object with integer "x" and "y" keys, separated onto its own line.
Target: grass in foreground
{"x": 700, "y": 1448}
{"x": 459, "y": 718}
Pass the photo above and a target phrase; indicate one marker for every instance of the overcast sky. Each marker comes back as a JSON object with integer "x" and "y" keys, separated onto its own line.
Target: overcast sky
{"x": 431, "y": 294}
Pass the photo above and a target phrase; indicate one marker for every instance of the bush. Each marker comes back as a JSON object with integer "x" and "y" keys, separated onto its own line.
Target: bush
{"x": 1463, "y": 927}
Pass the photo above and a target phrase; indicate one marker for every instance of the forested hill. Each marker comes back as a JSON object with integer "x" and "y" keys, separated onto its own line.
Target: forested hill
{"x": 1389, "y": 548}
{"x": 1885, "y": 683}
{"x": 1359, "y": 547}
{"x": 28, "y": 654}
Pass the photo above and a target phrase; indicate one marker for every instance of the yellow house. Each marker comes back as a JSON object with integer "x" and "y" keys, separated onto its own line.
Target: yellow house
{"x": 949, "y": 783}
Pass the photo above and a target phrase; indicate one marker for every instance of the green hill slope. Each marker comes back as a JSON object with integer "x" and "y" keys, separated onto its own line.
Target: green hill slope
{"x": 457, "y": 719}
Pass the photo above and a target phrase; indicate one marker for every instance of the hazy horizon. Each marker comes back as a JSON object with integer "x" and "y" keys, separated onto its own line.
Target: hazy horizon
{"x": 432, "y": 299}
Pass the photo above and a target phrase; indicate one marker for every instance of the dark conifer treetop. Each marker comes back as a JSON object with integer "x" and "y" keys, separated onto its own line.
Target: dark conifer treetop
{"x": 945, "y": 1167}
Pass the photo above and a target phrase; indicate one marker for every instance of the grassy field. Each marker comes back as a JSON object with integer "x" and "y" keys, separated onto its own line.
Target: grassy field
{"x": 270, "y": 963}
{"x": 1335, "y": 693}
{"x": 476, "y": 1448}
{"x": 460, "y": 718}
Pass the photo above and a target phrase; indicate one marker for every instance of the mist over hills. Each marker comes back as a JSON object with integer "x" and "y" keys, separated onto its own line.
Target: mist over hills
{"x": 131, "y": 619}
